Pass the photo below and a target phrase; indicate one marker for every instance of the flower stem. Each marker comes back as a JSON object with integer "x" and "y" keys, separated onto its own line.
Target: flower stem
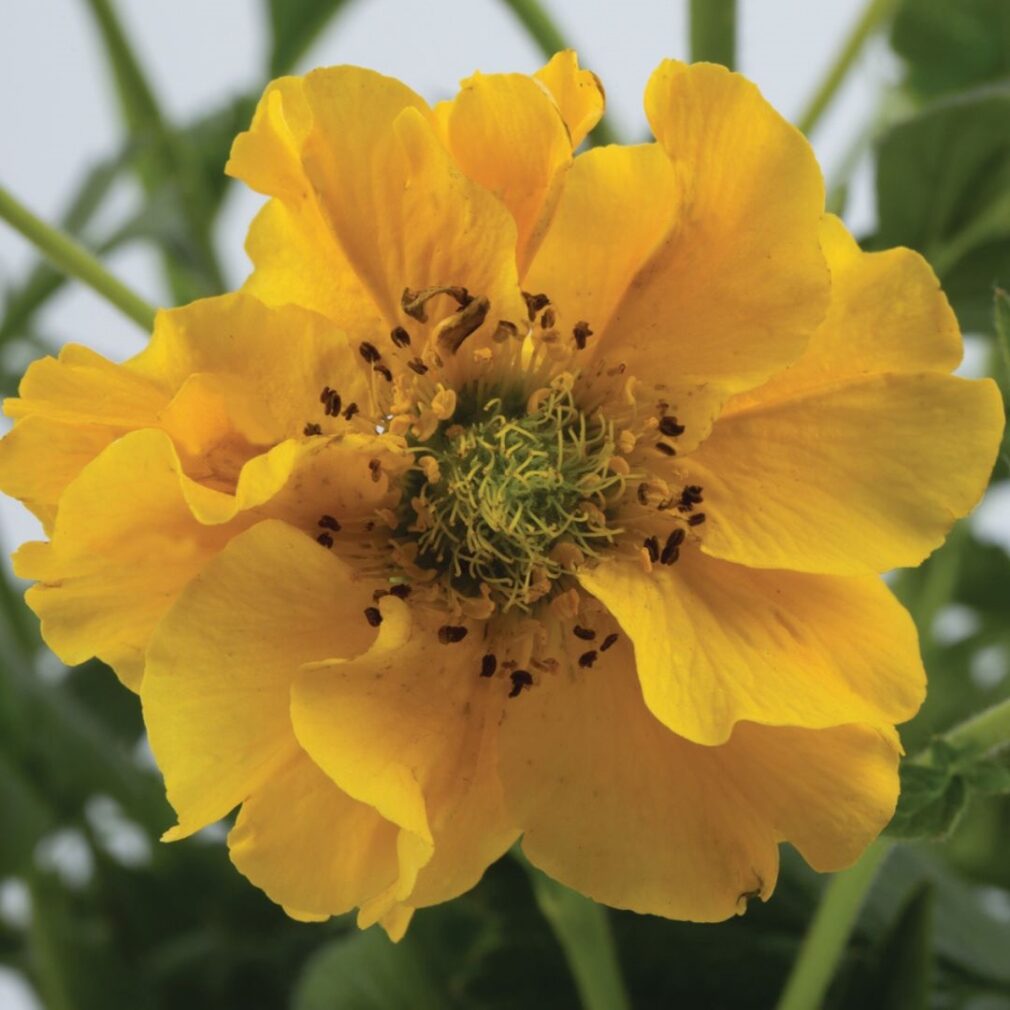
{"x": 74, "y": 259}
{"x": 829, "y": 931}
{"x": 873, "y": 16}
{"x": 835, "y": 917}
{"x": 583, "y": 931}
{"x": 713, "y": 31}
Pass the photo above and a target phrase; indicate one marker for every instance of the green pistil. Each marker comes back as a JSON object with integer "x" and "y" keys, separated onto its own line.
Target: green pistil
{"x": 511, "y": 489}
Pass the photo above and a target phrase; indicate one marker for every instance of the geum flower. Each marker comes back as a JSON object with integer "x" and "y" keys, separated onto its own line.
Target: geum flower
{"x": 517, "y": 494}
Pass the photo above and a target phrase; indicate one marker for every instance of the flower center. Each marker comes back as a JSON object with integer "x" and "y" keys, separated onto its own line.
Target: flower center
{"x": 507, "y": 504}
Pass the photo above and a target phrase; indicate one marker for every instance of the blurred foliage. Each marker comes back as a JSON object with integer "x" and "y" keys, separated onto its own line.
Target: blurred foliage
{"x": 96, "y": 913}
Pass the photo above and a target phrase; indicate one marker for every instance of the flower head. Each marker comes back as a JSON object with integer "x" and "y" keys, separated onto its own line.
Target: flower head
{"x": 518, "y": 493}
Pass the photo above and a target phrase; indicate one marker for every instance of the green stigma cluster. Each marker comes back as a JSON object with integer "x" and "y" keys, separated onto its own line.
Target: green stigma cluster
{"x": 512, "y": 487}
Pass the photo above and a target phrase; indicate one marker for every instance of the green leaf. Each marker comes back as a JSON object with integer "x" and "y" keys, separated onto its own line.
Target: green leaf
{"x": 295, "y": 25}
{"x": 368, "y": 972}
{"x": 943, "y": 187}
{"x": 930, "y": 805}
{"x": 951, "y": 46}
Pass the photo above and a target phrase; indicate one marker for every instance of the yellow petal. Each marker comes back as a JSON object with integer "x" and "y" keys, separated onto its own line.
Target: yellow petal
{"x": 578, "y": 93}
{"x": 859, "y": 476}
{"x": 82, "y": 387}
{"x": 220, "y": 666}
{"x": 123, "y": 546}
{"x": 409, "y": 727}
{"x": 310, "y": 846}
{"x": 717, "y": 643}
{"x": 507, "y": 134}
{"x": 723, "y": 280}
{"x": 39, "y": 457}
{"x": 280, "y": 358}
{"x": 618, "y": 807}
{"x": 887, "y": 314}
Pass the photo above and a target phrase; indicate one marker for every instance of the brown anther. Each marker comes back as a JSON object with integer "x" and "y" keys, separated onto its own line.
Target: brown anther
{"x": 375, "y": 466}
{"x": 333, "y": 404}
{"x": 520, "y": 679}
{"x": 378, "y": 594}
{"x": 312, "y": 429}
{"x": 454, "y": 330}
{"x": 548, "y": 319}
{"x": 643, "y": 494}
{"x": 400, "y": 337}
{"x": 374, "y": 616}
{"x": 671, "y": 549}
{"x": 504, "y": 330}
{"x": 581, "y": 332}
{"x": 488, "y": 665}
{"x": 448, "y": 634}
{"x": 417, "y": 365}
{"x": 586, "y": 634}
{"x": 697, "y": 519}
{"x": 666, "y": 450}
{"x": 369, "y": 352}
{"x": 689, "y": 497}
{"x": 413, "y": 302}
{"x": 352, "y": 409}
{"x": 587, "y": 659}
{"x": 651, "y": 544}
{"x": 534, "y": 303}
{"x": 401, "y": 591}
{"x": 669, "y": 426}
{"x": 329, "y": 523}
{"x": 383, "y": 371}
{"x": 325, "y": 539}
{"x": 610, "y": 640}
{"x": 325, "y": 395}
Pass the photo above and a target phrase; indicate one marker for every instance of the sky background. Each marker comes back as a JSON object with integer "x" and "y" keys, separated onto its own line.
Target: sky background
{"x": 59, "y": 114}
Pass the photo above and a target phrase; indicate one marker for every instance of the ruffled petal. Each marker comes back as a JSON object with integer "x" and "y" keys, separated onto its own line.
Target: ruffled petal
{"x": 887, "y": 314}
{"x": 409, "y": 727}
{"x": 858, "y": 476}
{"x": 717, "y": 643}
{"x": 309, "y": 846}
{"x": 220, "y": 666}
{"x": 123, "y": 546}
{"x": 281, "y": 358}
{"x": 39, "y": 457}
{"x": 616, "y": 806}
{"x": 506, "y": 133}
{"x": 578, "y": 93}
{"x": 723, "y": 281}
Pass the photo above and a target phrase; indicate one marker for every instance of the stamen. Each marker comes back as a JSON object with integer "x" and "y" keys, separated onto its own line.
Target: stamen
{"x": 488, "y": 665}
{"x": 610, "y": 640}
{"x": 400, "y": 591}
{"x": 325, "y": 539}
{"x": 329, "y": 523}
{"x": 520, "y": 679}
{"x": 669, "y": 426}
{"x": 400, "y": 337}
{"x": 586, "y": 634}
{"x": 666, "y": 450}
{"x": 448, "y": 634}
{"x": 581, "y": 332}
{"x": 587, "y": 659}
{"x": 697, "y": 519}
{"x": 312, "y": 429}
{"x": 369, "y": 352}
{"x": 374, "y": 616}
{"x": 352, "y": 409}
{"x": 413, "y": 302}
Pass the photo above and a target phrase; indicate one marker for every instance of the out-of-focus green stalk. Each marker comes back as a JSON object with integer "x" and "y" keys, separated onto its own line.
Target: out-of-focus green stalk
{"x": 713, "y": 31}
{"x": 542, "y": 29}
{"x": 873, "y": 17}
{"x": 168, "y": 163}
{"x": 66, "y": 254}
{"x": 829, "y": 931}
{"x": 582, "y": 929}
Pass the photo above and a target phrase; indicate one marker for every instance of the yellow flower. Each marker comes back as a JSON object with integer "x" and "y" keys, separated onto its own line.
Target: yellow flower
{"x": 517, "y": 494}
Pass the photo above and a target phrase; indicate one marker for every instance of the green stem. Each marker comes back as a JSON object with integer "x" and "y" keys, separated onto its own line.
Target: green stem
{"x": 583, "y": 931}
{"x": 713, "y": 31}
{"x": 167, "y": 163}
{"x": 74, "y": 259}
{"x": 984, "y": 731}
{"x": 874, "y": 15}
{"x": 541, "y": 27}
{"x": 829, "y": 931}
